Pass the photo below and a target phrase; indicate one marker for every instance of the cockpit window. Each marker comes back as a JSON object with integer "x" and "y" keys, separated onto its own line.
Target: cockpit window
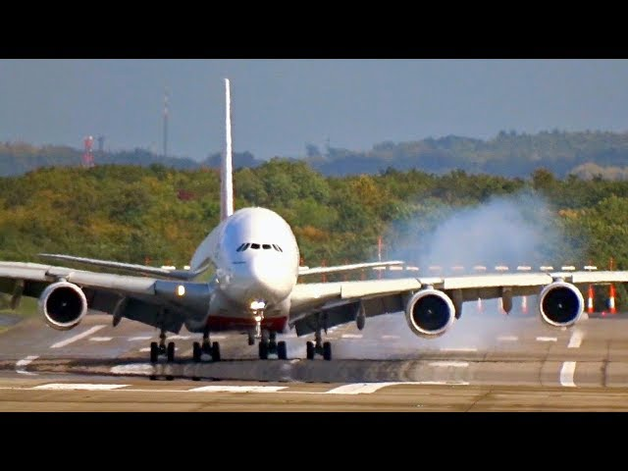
{"x": 277, "y": 248}
{"x": 266, "y": 246}
{"x": 255, "y": 246}
{"x": 243, "y": 247}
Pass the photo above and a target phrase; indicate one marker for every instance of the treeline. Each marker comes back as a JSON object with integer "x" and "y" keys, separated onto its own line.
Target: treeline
{"x": 158, "y": 215}
{"x": 586, "y": 154}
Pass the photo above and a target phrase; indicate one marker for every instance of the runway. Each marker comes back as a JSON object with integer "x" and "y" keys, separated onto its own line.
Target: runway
{"x": 485, "y": 362}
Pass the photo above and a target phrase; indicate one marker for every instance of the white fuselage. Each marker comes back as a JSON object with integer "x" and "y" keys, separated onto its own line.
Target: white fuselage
{"x": 256, "y": 261}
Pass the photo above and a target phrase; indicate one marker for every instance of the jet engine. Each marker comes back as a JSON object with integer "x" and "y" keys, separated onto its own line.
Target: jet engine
{"x": 63, "y": 305}
{"x": 430, "y": 313}
{"x": 561, "y": 304}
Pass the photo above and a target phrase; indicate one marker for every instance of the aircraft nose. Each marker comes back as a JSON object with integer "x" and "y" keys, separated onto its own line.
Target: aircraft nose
{"x": 270, "y": 278}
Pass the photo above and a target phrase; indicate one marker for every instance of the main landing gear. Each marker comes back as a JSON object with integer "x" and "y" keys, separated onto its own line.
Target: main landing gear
{"x": 207, "y": 347}
{"x": 268, "y": 345}
{"x": 160, "y": 349}
{"x": 320, "y": 347}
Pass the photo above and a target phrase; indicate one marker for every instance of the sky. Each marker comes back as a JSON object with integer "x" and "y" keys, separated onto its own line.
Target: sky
{"x": 280, "y": 105}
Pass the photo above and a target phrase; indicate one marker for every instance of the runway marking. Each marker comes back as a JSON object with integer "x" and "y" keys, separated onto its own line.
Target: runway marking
{"x": 390, "y": 337}
{"x": 80, "y": 336}
{"x": 507, "y": 338}
{"x": 566, "y": 374}
{"x": 547, "y": 339}
{"x": 351, "y": 336}
{"x": 445, "y": 364}
{"x": 23, "y": 363}
{"x": 369, "y": 388}
{"x": 576, "y": 339}
{"x": 180, "y": 337}
{"x": 80, "y": 387}
{"x": 100, "y": 339}
{"x": 461, "y": 349}
{"x": 238, "y": 389}
{"x": 134, "y": 339}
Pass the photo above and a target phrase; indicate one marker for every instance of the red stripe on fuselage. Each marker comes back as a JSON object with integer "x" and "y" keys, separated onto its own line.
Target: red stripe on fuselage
{"x": 221, "y": 323}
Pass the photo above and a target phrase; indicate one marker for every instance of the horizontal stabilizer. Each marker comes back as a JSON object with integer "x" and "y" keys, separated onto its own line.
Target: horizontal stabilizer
{"x": 344, "y": 268}
{"x": 146, "y": 270}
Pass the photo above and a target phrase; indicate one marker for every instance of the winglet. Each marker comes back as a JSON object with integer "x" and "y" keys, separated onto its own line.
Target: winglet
{"x": 226, "y": 165}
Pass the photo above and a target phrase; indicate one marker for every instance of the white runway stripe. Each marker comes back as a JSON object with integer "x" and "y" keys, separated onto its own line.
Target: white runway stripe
{"x": 238, "y": 389}
{"x": 547, "y": 339}
{"x": 180, "y": 337}
{"x": 80, "y": 387}
{"x": 390, "y": 337}
{"x": 507, "y": 338}
{"x": 369, "y": 388}
{"x": 566, "y": 374}
{"x": 100, "y": 339}
{"x": 351, "y": 336}
{"x": 80, "y": 336}
{"x": 576, "y": 339}
{"x": 135, "y": 339}
{"x": 20, "y": 365}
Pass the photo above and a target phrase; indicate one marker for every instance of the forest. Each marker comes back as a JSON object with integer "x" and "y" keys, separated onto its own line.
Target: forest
{"x": 157, "y": 215}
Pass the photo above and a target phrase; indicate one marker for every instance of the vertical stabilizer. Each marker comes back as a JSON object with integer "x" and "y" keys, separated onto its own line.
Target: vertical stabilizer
{"x": 226, "y": 167}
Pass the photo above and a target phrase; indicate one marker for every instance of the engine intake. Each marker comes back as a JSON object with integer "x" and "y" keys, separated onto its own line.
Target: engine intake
{"x": 561, "y": 304}
{"x": 63, "y": 305}
{"x": 430, "y": 313}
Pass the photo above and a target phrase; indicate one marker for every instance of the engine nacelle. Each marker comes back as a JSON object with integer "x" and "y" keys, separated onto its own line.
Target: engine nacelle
{"x": 430, "y": 313}
{"x": 561, "y": 304}
{"x": 63, "y": 305}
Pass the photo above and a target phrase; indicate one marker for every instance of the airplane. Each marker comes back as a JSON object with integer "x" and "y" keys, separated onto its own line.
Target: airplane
{"x": 254, "y": 288}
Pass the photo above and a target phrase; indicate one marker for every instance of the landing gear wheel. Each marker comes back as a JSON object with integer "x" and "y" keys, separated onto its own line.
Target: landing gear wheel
{"x": 197, "y": 352}
{"x": 154, "y": 352}
{"x": 170, "y": 352}
{"x": 327, "y": 351}
{"x": 263, "y": 351}
{"x": 282, "y": 350}
{"x": 251, "y": 339}
{"x": 216, "y": 351}
{"x": 309, "y": 349}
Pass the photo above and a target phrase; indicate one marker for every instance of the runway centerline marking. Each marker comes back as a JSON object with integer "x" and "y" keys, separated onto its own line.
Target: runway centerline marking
{"x": 100, "y": 339}
{"x": 180, "y": 337}
{"x": 547, "y": 339}
{"x": 351, "y": 336}
{"x": 576, "y": 339}
{"x": 134, "y": 339}
{"x": 445, "y": 364}
{"x": 390, "y": 337}
{"x": 79, "y": 387}
{"x": 566, "y": 374}
{"x": 370, "y": 388}
{"x": 80, "y": 336}
{"x": 23, "y": 363}
{"x": 507, "y": 338}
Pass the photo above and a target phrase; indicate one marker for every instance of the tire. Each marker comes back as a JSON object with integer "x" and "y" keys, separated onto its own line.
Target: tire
{"x": 154, "y": 352}
{"x": 327, "y": 351}
{"x": 282, "y": 350}
{"x": 309, "y": 350}
{"x": 170, "y": 352}
{"x": 216, "y": 351}
{"x": 197, "y": 352}
{"x": 263, "y": 351}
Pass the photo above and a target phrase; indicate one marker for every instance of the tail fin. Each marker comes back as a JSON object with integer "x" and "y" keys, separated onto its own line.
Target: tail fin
{"x": 226, "y": 167}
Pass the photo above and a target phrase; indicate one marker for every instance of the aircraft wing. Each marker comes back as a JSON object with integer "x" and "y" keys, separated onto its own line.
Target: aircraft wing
{"x": 143, "y": 269}
{"x": 344, "y": 268}
{"x": 149, "y": 300}
{"x": 340, "y": 301}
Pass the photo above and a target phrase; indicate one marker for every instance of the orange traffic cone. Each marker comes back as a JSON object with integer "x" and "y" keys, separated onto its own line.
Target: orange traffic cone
{"x": 590, "y": 300}
{"x": 611, "y": 300}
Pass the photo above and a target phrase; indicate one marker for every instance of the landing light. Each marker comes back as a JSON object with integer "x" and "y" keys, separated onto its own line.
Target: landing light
{"x": 257, "y": 305}
{"x": 180, "y": 290}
